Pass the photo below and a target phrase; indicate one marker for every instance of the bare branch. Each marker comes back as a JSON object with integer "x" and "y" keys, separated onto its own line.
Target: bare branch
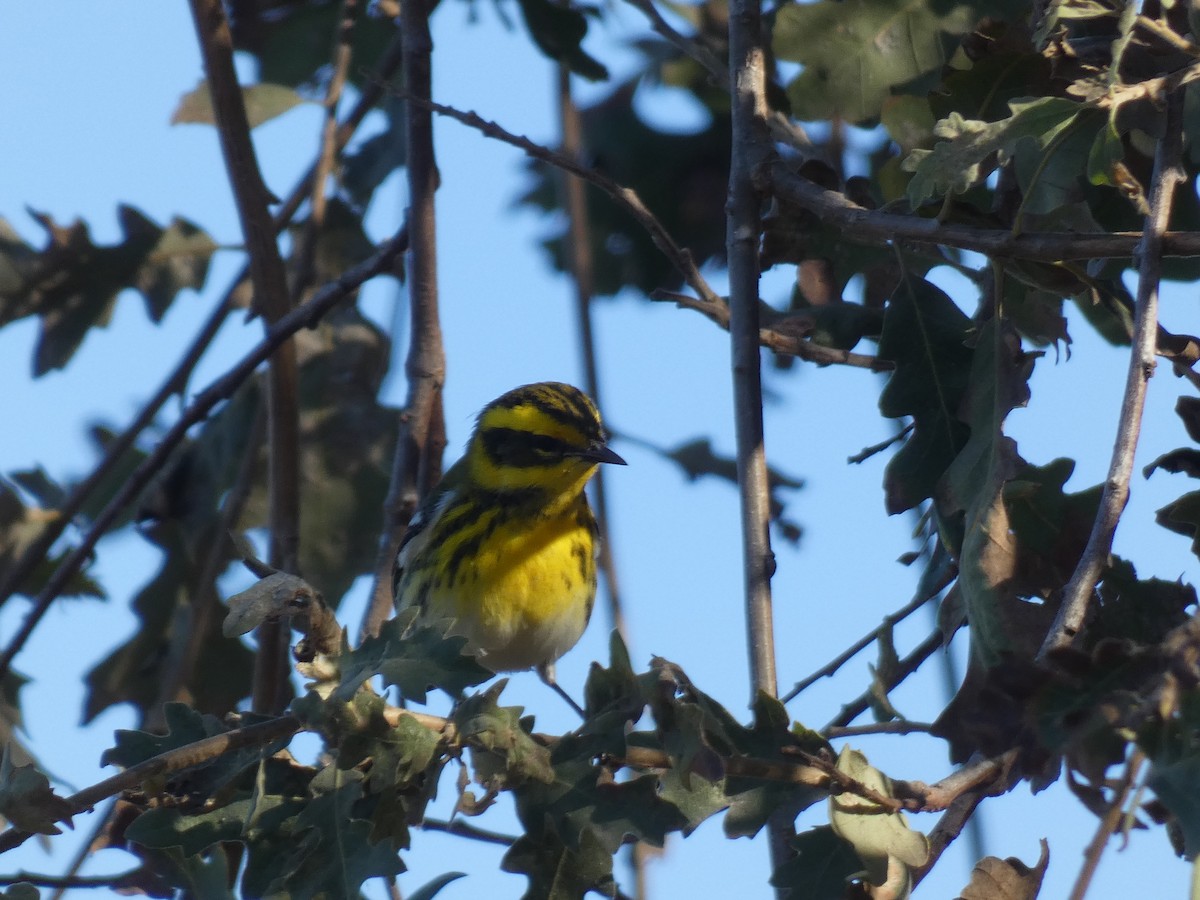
{"x": 776, "y": 339}
{"x": 176, "y": 760}
{"x": 872, "y": 226}
{"x": 582, "y": 267}
{"x": 866, "y": 640}
{"x": 1108, "y": 825}
{"x": 272, "y": 300}
{"x": 743, "y": 223}
{"x": 417, "y": 463}
{"x": 1079, "y": 591}
{"x": 464, "y": 829}
{"x": 305, "y": 315}
{"x": 897, "y": 726}
{"x": 904, "y": 668}
{"x": 304, "y": 256}
{"x": 627, "y": 198}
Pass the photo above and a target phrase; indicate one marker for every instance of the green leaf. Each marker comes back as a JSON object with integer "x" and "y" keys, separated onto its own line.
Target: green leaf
{"x": 974, "y": 486}
{"x": 969, "y": 149}
{"x": 26, "y": 799}
{"x": 925, "y": 335}
{"x": 503, "y": 751}
{"x": 855, "y": 52}
{"x": 1183, "y": 517}
{"x": 263, "y": 102}
{"x": 1006, "y": 879}
{"x": 1173, "y": 747}
{"x": 414, "y": 657}
{"x": 72, "y": 284}
{"x": 887, "y": 847}
{"x": 821, "y": 868}
{"x": 336, "y": 855}
{"x": 556, "y": 872}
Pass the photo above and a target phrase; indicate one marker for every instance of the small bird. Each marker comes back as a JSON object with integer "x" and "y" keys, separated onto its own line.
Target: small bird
{"x": 505, "y": 545}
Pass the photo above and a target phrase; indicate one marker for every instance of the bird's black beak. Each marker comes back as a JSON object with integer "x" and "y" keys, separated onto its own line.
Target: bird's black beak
{"x": 602, "y": 453}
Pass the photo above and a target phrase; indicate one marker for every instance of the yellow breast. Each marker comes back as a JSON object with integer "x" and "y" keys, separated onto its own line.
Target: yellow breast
{"x": 522, "y": 596}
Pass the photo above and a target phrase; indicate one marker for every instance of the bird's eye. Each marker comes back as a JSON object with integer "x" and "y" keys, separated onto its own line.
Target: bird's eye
{"x": 545, "y": 444}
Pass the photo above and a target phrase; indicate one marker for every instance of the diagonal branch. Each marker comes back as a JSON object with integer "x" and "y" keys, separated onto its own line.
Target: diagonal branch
{"x": 625, "y": 197}
{"x": 1078, "y": 593}
{"x": 176, "y": 760}
{"x": 776, "y": 338}
{"x": 305, "y": 315}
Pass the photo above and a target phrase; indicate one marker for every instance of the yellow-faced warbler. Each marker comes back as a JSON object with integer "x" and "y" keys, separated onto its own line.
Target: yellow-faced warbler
{"x": 505, "y": 545}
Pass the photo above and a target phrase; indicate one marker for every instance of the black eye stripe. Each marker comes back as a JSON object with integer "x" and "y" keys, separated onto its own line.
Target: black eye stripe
{"x": 512, "y": 447}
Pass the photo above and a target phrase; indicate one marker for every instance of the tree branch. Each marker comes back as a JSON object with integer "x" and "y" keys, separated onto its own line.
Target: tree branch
{"x": 749, "y": 147}
{"x": 304, "y": 256}
{"x": 866, "y": 640}
{"x": 1079, "y": 591}
{"x": 1107, "y": 826}
{"x": 176, "y": 760}
{"x": 775, "y": 339}
{"x": 417, "y": 463}
{"x": 582, "y": 267}
{"x": 904, "y": 668}
{"x": 625, "y": 197}
{"x": 305, "y": 315}
{"x": 872, "y": 226}
{"x": 272, "y": 300}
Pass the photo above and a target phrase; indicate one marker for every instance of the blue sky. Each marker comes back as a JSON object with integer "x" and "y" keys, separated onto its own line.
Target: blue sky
{"x": 88, "y": 104}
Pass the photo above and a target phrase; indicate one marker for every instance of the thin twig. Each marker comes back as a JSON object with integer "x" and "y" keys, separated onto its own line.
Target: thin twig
{"x": 1108, "y": 825}
{"x": 304, "y": 257}
{"x": 582, "y": 267}
{"x": 417, "y": 461}
{"x": 175, "y": 760}
{"x": 305, "y": 315}
{"x": 98, "y": 825}
{"x": 949, "y": 827}
{"x": 62, "y": 882}
{"x": 1078, "y": 593}
{"x": 774, "y": 339}
{"x": 783, "y": 127}
{"x": 627, "y": 198}
{"x": 464, "y": 829}
{"x": 863, "y": 642}
{"x": 692, "y": 47}
{"x": 870, "y": 226}
{"x": 905, "y": 667}
{"x": 897, "y": 726}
